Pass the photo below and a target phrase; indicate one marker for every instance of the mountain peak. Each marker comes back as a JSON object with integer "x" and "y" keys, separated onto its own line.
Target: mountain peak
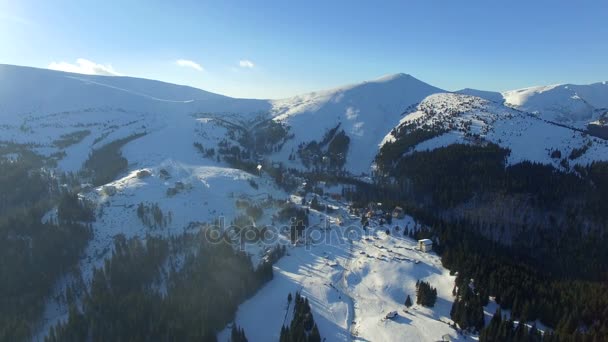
{"x": 392, "y": 77}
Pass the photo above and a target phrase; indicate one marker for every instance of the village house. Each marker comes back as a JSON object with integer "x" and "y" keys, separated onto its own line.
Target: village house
{"x": 425, "y": 245}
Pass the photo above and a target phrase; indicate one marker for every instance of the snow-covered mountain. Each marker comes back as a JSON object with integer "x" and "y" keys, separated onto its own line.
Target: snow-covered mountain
{"x": 365, "y": 112}
{"x": 569, "y": 104}
{"x": 576, "y": 105}
{"x": 40, "y": 106}
{"x": 25, "y": 90}
{"x": 468, "y": 119}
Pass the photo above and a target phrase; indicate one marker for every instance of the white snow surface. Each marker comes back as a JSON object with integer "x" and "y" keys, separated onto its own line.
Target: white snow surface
{"x": 573, "y": 104}
{"x": 352, "y": 281}
{"x": 32, "y": 91}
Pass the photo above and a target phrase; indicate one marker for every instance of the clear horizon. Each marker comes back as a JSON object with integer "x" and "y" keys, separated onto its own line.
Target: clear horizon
{"x": 278, "y": 50}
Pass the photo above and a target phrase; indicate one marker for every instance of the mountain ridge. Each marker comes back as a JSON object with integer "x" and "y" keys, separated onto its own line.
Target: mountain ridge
{"x": 366, "y": 112}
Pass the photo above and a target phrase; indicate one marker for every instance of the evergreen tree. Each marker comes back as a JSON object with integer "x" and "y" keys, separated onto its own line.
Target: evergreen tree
{"x": 302, "y": 327}
{"x": 408, "y": 302}
{"x": 237, "y": 334}
{"x": 426, "y": 295}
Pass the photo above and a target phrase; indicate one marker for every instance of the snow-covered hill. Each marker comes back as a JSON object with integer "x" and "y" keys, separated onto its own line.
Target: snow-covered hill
{"x": 365, "y": 112}
{"x": 64, "y": 117}
{"x": 576, "y": 105}
{"x": 569, "y": 104}
{"x": 30, "y": 91}
{"x": 473, "y": 120}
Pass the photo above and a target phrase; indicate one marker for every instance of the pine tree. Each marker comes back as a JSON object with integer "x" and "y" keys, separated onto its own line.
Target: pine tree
{"x": 314, "y": 336}
{"x": 302, "y": 327}
{"x": 408, "y": 302}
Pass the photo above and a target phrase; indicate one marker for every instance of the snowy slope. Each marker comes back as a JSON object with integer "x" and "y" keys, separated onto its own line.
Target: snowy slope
{"x": 365, "y": 111}
{"x": 209, "y": 193}
{"x": 34, "y": 91}
{"x": 43, "y": 109}
{"x": 568, "y": 103}
{"x": 352, "y": 280}
{"x": 472, "y": 120}
{"x": 40, "y": 107}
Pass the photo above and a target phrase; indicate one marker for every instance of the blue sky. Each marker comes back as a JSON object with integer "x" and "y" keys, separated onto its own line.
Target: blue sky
{"x": 274, "y": 49}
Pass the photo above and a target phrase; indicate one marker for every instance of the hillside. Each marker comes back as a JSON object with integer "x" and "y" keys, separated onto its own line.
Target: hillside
{"x": 576, "y": 105}
{"x": 31, "y": 91}
{"x": 365, "y": 112}
{"x": 465, "y": 119}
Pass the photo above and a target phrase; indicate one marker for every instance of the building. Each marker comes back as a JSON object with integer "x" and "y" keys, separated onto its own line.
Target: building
{"x": 425, "y": 245}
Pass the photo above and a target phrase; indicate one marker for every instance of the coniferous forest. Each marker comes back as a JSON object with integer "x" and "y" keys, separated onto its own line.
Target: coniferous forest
{"x": 35, "y": 252}
{"x": 200, "y": 298}
{"x": 302, "y": 327}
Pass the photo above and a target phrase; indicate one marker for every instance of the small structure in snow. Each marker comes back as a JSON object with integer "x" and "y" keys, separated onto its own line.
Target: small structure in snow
{"x": 391, "y": 315}
{"x": 425, "y": 245}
